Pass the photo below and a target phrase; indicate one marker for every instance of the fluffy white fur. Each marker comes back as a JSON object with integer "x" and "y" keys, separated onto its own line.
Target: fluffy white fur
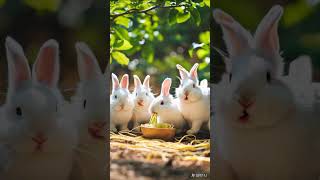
{"x": 193, "y": 99}
{"x": 142, "y": 97}
{"x": 261, "y": 132}
{"x": 32, "y": 111}
{"x": 89, "y": 110}
{"x": 121, "y": 103}
{"x": 166, "y": 107}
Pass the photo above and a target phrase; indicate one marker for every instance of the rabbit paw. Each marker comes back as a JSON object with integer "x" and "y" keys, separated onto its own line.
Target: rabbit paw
{"x": 191, "y": 132}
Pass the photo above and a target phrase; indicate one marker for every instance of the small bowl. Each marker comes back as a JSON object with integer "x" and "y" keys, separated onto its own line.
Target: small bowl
{"x": 158, "y": 133}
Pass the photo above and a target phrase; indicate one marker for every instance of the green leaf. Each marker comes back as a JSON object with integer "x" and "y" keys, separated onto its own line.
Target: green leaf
{"x": 207, "y": 2}
{"x": 204, "y": 37}
{"x": 123, "y": 21}
{"x": 112, "y": 39}
{"x": 195, "y": 15}
{"x": 121, "y": 32}
{"x": 296, "y": 12}
{"x": 183, "y": 17}
{"x": 190, "y": 51}
{"x": 126, "y": 45}
{"x": 172, "y": 19}
{"x": 2, "y": 2}
{"x": 120, "y": 57}
{"x": 201, "y": 53}
{"x": 47, "y": 5}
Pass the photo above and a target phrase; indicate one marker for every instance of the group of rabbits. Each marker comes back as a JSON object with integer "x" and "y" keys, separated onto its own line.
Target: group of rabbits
{"x": 266, "y": 125}
{"x": 191, "y": 107}
{"x": 43, "y": 136}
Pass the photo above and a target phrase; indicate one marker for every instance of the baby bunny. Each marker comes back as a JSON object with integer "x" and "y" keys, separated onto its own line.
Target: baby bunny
{"x": 40, "y": 140}
{"x": 260, "y": 133}
{"x": 121, "y": 103}
{"x": 193, "y": 100}
{"x": 90, "y": 106}
{"x": 166, "y": 107}
{"x": 142, "y": 97}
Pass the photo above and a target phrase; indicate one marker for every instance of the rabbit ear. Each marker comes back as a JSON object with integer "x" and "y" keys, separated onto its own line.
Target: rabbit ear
{"x": 87, "y": 62}
{"x": 266, "y": 36}
{"x": 237, "y": 39}
{"x": 46, "y": 67}
{"x": 204, "y": 83}
{"x": 18, "y": 67}
{"x": 183, "y": 72}
{"x": 301, "y": 69}
{"x": 165, "y": 87}
{"x": 146, "y": 82}
{"x": 125, "y": 81}
{"x": 115, "y": 81}
{"x": 137, "y": 82}
{"x": 193, "y": 71}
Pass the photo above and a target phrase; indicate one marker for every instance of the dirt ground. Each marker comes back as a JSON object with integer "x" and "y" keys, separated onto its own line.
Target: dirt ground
{"x": 134, "y": 157}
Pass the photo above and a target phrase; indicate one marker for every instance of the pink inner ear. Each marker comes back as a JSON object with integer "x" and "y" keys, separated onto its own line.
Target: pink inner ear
{"x": 125, "y": 81}
{"x": 193, "y": 71}
{"x": 146, "y": 81}
{"x": 45, "y": 68}
{"x": 115, "y": 83}
{"x": 22, "y": 72}
{"x": 88, "y": 66}
{"x": 166, "y": 87}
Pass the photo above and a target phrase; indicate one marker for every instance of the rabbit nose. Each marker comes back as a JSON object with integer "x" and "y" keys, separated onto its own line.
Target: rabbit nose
{"x": 39, "y": 138}
{"x": 122, "y": 106}
{"x": 245, "y": 102}
{"x": 186, "y": 93}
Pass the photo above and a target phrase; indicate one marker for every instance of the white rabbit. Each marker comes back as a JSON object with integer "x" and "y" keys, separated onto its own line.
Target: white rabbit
{"x": 166, "y": 107}
{"x": 193, "y": 100}
{"x": 259, "y": 131}
{"x": 89, "y": 109}
{"x": 142, "y": 97}
{"x": 40, "y": 140}
{"x": 299, "y": 80}
{"x": 121, "y": 103}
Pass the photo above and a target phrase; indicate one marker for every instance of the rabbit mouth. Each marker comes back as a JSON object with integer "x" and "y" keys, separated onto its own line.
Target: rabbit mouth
{"x": 95, "y": 133}
{"x": 244, "y": 118}
{"x": 39, "y": 143}
{"x": 140, "y": 103}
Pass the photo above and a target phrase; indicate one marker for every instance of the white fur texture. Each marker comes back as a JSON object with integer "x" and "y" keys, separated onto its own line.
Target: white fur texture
{"x": 89, "y": 111}
{"x": 142, "y": 97}
{"x": 33, "y": 109}
{"x": 193, "y": 99}
{"x": 121, "y": 103}
{"x": 166, "y": 107}
{"x": 261, "y": 132}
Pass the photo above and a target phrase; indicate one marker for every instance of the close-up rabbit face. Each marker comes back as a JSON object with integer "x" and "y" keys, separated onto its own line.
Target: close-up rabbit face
{"x": 256, "y": 97}
{"x": 189, "y": 90}
{"x": 120, "y": 97}
{"x": 164, "y": 102}
{"x": 32, "y": 105}
{"x": 91, "y": 95}
{"x": 142, "y": 93}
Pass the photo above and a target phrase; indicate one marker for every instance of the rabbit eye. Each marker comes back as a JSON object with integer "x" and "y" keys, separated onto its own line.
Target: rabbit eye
{"x": 162, "y": 103}
{"x": 84, "y": 104}
{"x": 115, "y": 96}
{"x": 230, "y": 77}
{"x": 268, "y": 77}
{"x": 136, "y": 94}
{"x": 193, "y": 85}
{"x": 147, "y": 94}
{"x": 18, "y": 111}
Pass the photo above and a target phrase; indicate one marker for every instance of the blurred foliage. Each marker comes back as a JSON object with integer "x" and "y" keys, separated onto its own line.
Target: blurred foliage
{"x": 152, "y": 36}
{"x": 299, "y": 30}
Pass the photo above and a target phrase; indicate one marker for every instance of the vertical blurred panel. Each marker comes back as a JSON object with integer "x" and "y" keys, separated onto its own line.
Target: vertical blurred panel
{"x": 54, "y": 122}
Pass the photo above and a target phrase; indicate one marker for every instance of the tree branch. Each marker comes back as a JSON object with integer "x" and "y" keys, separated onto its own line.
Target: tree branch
{"x": 133, "y": 11}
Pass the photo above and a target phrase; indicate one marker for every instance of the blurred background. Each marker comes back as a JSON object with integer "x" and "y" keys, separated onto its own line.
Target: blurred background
{"x": 299, "y": 29}
{"x": 152, "y": 36}
{"x": 32, "y": 22}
